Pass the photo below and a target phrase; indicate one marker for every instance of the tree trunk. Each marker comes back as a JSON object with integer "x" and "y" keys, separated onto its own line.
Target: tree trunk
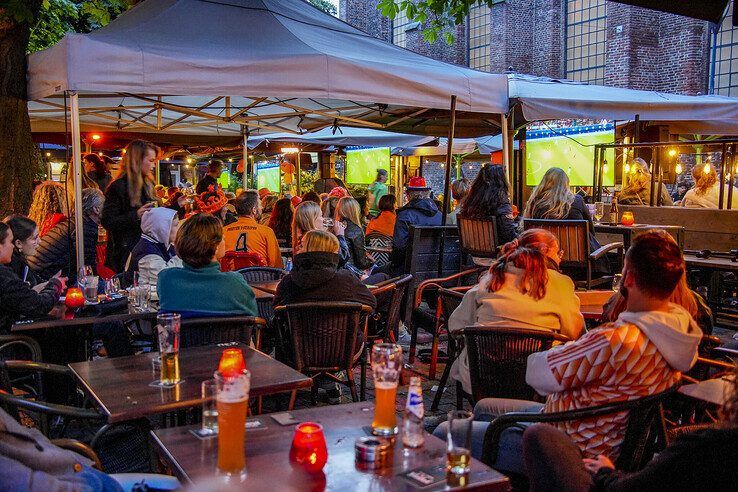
{"x": 19, "y": 156}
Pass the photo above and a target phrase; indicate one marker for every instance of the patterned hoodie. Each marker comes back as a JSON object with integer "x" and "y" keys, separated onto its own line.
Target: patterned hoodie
{"x": 640, "y": 354}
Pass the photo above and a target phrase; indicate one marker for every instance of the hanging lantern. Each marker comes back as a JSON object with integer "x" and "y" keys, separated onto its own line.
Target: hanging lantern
{"x": 240, "y": 167}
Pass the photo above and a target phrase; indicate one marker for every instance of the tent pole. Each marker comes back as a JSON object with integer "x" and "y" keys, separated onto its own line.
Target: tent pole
{"x": 297, "y": 170}
{"x": 446, "y": 181}
{"x": 505, "y": 145}
{"x": 77, "y": 165}
{"x": 246, "y": 159}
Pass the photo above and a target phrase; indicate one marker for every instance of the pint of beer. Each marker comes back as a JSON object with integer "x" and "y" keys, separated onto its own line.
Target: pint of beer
{"x": 386, "y": 365}
{"x": 232, "y": 401}
{"x": 167, "y": 326}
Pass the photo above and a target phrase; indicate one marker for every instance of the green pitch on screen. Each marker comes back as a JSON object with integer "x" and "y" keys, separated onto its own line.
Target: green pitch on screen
{"x": 268, "y": 178}
{"x": 362, "y": 165}
{"x": 541, "y": 154}
{"x": 224, "y": 180}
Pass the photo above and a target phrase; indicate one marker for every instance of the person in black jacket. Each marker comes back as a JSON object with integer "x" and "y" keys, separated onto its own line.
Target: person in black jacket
{"x": 489, "y": 196}
{"x": 56, "y": 252}
{"x": 702, "y": 460}
{"x": 215, "y": 168}
{"x": 126, "y": 200}
{"x": 25, "y": 240}
{"x": 348, "y": 211}
{"x": 96, "y": 168}
{"x": 17, "y": 298}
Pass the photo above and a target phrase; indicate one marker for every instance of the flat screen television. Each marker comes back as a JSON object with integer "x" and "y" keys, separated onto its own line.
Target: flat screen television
{"x": 362, "y": 164}
{"x": 268, "y": 177}
{"x": 577, "y": 160}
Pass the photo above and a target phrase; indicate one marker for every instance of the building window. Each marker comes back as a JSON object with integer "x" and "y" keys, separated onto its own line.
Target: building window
{"x": 586, "y": 34}
{"x": 724, "y": 57}
{"x": 479, "y": 37}
{"x": 399, "y": 24}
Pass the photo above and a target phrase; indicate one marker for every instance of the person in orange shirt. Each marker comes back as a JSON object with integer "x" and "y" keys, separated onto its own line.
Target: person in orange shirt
{"x": 385, "y": 222}
{"x": 246, "y": 234}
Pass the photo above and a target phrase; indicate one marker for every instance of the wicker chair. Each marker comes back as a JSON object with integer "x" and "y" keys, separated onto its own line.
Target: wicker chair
{"x": 498, "y": 359}
{"x": 379, "y": 248}
{"x": 261, "y": 274}
{"x": 383, "y": 323}
{"x": 323, "y": 336}
{"x": 195, "y": 332}
{"x": 238, "y": 260}
{"x": 645, "y": 426}
{"x": 449, "y": 300}
{"x": 573, "y": 237}
{"x": 478, "y": 237}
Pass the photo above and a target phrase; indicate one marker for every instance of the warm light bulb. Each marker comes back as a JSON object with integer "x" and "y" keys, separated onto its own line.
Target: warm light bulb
{"x": 627, "y": 168}
{"x": 100, "y": 154}
{"x": 48, "y": 154}
{"x": 290, "y": 150}
{"x": 95, "y": 137}
{"x": 604, "y": 167}
{"x": 678, "y": 168}
{"x": 706, "y": 169}
{"x": 122, "y": 151}
{"x": 230, "y": 160}
{"x": 672, "y": 152}
{"x": 189, "y": 160}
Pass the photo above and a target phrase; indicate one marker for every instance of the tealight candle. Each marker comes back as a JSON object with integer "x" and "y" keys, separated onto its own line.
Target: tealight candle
{"x": 627, "y": 219}
{"x": 231, "y": 362}
{"x": 75, "y": 298}
{"x": 309, "y": 450}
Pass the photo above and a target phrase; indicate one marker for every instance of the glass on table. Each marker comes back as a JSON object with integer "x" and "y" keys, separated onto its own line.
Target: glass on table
{"x": 232, "y": 401}
{"x": 617, "y": 280}
{"x": 91, "y": 287}
{"x": 458, "y": 447}
{"x": 599, "y": 211}
{"x": 209, "y": 406}
{"x": 386, "y": 360}
{"x": 167, "y": 327}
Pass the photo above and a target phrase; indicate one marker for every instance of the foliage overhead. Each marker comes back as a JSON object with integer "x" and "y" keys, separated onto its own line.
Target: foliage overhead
{"x": 325, "y": 5}
{"x": 437, "y": 17}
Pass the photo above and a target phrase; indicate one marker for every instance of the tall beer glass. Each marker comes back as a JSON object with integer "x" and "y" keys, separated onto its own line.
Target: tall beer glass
{"x": 167, "y": 326}
{"x": 232, "y": 401}
{"x": 386, "y": 366}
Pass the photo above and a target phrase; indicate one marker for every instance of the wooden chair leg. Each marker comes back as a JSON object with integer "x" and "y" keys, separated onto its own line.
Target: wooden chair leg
{"x": 259, "y": 401}
{"x": 459, "y": 396}
{"x": 434, "y": 357}
{"x": 293, "y": 397}
{"x": 352, "y": 385}
{"x": 363, "y": 380}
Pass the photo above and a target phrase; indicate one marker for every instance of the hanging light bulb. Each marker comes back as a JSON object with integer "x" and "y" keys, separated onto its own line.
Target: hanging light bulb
{"x": 604, "y": 167}
{"x": 706, "y": 169}
{"x": 672, "y": 152}
{"x": 678, "y": 168}
{"x": 627, "y": 168}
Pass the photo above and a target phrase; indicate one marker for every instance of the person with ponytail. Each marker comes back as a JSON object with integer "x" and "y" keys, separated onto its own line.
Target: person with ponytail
{"x": 126, "y": 200}
{"x": 523, "y": 288}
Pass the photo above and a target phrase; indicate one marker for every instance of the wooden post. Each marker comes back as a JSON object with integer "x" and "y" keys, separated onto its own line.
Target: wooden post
{"x": 721, "y": 177}
{"x": 446, "y": 181}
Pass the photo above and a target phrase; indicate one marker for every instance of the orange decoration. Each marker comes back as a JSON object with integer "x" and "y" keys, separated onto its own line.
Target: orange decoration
{"x": 239, "y": 167}
{"x": 231, "y": 362}
{"x": 75, "y": 298}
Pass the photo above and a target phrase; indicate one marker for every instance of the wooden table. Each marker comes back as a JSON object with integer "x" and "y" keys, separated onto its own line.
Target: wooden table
{"x": 121, "y": 386}
{"x": 591, "y": 302}
{"x": 711, "y": 263}
{"x": 61, "y": 316}
{"x": 713, "y": 391}
{"x": 267, "y": 456}
{"x": 268, "y": 286}
{"x": 628, "y": 232}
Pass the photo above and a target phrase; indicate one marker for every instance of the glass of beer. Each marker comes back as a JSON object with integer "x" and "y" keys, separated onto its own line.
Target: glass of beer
{"x": 167, "y": 326}
{"x": 386, "y": 365}
{"x": 91, "y": 284}
{"x": 209, "y": 406}
{"x": 232, "y": 401}
{"x": 458, "y": 447}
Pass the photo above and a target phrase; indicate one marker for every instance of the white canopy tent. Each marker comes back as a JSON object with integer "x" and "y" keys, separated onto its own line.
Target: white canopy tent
{"x": 347, "y": 136}
{"x": 248, "y": 66}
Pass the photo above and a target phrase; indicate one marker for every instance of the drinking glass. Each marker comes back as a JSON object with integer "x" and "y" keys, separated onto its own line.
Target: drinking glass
{"x": 386, "y": 366}
{"x": 232, "y": 401}
{"x": 599, "y": 211}
{"x": 617, "y": 280}
{"x": 144, "y": 295}
{"x": 458, "y": 447}
{"x": 167, "y": 327}
{"x": 209, "y": 407}
{"x": 91, "y": 284}
{"x": 328, "y": 223}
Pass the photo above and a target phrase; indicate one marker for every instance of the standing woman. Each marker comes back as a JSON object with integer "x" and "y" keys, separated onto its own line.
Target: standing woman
{"x": 126, "y": 200}
{"x": 96, "y": 169}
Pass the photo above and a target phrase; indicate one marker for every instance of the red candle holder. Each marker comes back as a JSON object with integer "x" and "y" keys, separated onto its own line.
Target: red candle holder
{"x": 74, "y": 298}
{"x": 627, "y": 219}
{"x": 231, "y": 363}
{"x": 309, "y": 450}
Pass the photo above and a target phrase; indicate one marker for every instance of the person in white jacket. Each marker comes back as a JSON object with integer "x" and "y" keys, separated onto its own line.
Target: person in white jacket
{"x": 706, "y": 190}
{"x": 642, "y": 353}
{"x": 155, "y": 250}
{"x": 523, "y": 289}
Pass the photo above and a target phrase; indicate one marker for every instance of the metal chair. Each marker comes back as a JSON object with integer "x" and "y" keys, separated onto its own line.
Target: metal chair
{"x": 449, "y": 300}
{"x": 262, "y": 274}
{"x": 379, "y": 248}
{"x": 645, "y": 426}
{"x": 323, "y": 336}
{"x": 573, "y": 237}
{"x": 498, "y": 358}
{"x": 196, "y": 332}
{"x": 478, "y": 237}
{"x": 237, "y": 260}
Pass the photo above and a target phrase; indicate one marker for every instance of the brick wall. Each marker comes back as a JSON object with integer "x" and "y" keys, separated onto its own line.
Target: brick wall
{"x": 363, "y": 14}
{"x": 456, "y": 53}
{"x": 433, "y": 172}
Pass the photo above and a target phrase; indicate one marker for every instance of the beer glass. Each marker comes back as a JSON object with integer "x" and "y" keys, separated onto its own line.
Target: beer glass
{"x": 458, "y": 447}
{"x": 91, "y": 285}
{"x": 386, "y": 366}
{"x": 599, "y": 211}
{"x": 209, "y": 406}
{"x": 167, "y": 326}
{"x": 232, "y": 401}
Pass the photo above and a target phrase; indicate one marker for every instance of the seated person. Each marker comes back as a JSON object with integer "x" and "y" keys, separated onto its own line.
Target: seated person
{"x": 25, "y": 240}
{"x": 523, "y": 288}
{"x": 56, "y": 250}
{"x": 459, "y": 191}
{"x": 214, "y": 201}
{"x": 489, "y": 196}
{"x": 308, "y": 217}
{"x": 642, "y": 353}
{"x": 155, "y": 250}
{"x": 706, "y": 190}
{"x": 701, "y": 460}
{"x": 17, "y": 298}
{"x": 247, "y": 234}
{"x": 385, "y": 222}
{"x": 348, "y": 211}
{"x": 199, "y": 288}
{"x": 267, "y": 207}
{"x": 637, "y": 189}
{"x": 281, "y": 222}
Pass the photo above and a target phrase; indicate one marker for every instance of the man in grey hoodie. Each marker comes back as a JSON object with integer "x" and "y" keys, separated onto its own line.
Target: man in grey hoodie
{"x": 642, "y": 353}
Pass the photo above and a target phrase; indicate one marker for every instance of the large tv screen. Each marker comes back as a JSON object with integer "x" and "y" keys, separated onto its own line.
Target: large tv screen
{"x": 577, "y": 160}
{"x": 362, "y": 164}
{"x": 268, "y": 177}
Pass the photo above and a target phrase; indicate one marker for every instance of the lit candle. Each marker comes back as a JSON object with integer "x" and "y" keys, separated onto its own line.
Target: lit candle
{"x": 231, "y": 362}
{"x": 308, "y": 449}
{"x": 627, "y": 219}
{"x": 75, "y": 298}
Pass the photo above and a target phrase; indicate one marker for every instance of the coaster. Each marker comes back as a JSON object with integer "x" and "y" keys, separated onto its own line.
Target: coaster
{"x": 284, "y": 418}
{"x": 203, "y": 434}
{"x": 158, "y": 384}
{"x": 426, "y": 476}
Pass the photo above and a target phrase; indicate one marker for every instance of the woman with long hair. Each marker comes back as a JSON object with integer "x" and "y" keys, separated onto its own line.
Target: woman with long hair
{"x": 348, "y": 211}
{"x": 280, "y": 222}
{"x": 25, "y": 242}
{"x": 384, "y": 223}
{"x": 126, "y": 200}
{"x": 49, "y": 206}
{"x": 489, "y": 196}
{"x": 637, "y": 189}
{"x": 96, "y": 168}
{"x": 706, "y": 190}
{"x": 523, "y": 288}
{"x": 267, "y": 207}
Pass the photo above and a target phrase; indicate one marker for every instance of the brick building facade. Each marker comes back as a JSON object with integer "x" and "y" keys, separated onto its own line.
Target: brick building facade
{"x": 591, "y": 40}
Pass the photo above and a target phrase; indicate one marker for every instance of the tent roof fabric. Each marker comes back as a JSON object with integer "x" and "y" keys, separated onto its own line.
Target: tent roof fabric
{"x": 286, "y": 65}
{"x": 347, "y": 136}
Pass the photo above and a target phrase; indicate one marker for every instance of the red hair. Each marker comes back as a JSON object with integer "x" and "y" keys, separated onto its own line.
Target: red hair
{"x": 527, "y": 253}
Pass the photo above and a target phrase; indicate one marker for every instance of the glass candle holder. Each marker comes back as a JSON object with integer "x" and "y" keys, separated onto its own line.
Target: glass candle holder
{"x": 231, "y": 362}
{"x": 627, "y": 219}
{"x": 75, "y": 298}
{"x": 308, "y": 449}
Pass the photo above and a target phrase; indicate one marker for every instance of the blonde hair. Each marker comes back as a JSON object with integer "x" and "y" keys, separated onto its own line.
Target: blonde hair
{"x": 639, "y": 181}
{"x": 703, "y": 181}
{"x": 303, "y": 221}
{"x": 48, "y": 199}
{"x": 131, "y": 169}
{"x": 552, "y": 198}
{"x": 348, "y": 208}
{"x": 320, "y": 241}
{"x": 87, "y": 181}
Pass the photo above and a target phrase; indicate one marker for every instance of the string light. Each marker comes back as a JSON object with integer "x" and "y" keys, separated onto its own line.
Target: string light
{"x": 627, "y": 168}
{"x": 672, "y": 152}
{"x": 706, "y": 169}
{"x": 48, "y": 154}
{"x": 678, "y": 168}
{"x": 95, "y": 137}
{"x": 189, "y": 160}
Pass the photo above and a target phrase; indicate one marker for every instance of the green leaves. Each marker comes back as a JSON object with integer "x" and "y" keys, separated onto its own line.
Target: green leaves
{"x": 325, "y": 6}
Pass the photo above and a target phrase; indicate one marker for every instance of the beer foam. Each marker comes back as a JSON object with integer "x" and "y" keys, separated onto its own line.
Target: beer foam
{"x": 385, "y": 385}
{"x": 233, "y": 392}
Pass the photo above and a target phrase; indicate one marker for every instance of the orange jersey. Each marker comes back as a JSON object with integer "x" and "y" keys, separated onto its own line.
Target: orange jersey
{"x": 384, "y": 224}
{"x": 248, "y": 235}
